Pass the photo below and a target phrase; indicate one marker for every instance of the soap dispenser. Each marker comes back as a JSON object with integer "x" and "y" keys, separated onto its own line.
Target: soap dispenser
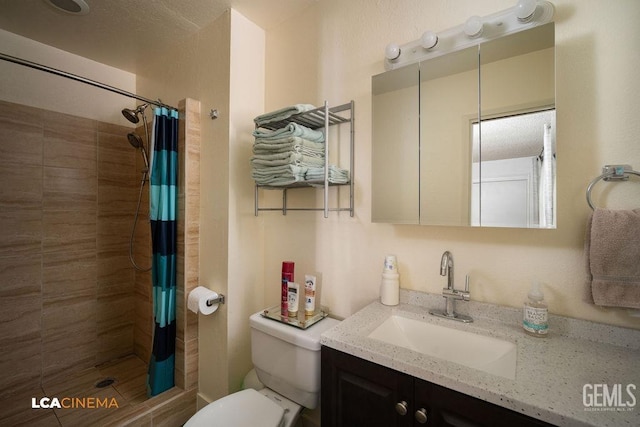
{"x": 390, "y": 285}
{"x": 535, "y": 316}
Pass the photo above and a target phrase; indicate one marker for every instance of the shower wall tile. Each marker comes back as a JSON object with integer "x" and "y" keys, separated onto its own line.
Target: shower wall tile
{"x": 21, "y": 231}
{"x": 116, "y": 198}
{"x": 65, "y": 231}
{"x": 190, "y": 212}
{"x": 68, "y": 334}
{"x": 20, "y": 303}
{"x": 68, "y": 272}
{"x": 21, "y": 134}
{"x": 69, "y": 141}
{"x": 117, "y": 160}
{"x": 21, "y": 364}
{"x": 143, "y": 328}
{"x": 115, "y": 320}
{"x": 70, "y": 187}
{"x": 114, "y": 268}
{"x": 21, "y": 186}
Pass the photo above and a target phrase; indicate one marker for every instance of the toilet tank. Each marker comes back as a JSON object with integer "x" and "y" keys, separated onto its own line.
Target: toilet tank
{"x": 287, "y": 359}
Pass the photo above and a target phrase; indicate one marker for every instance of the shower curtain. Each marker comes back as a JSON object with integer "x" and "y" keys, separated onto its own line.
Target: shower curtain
{"x": 547, "y": 181}
{"x": 163, "y": 204}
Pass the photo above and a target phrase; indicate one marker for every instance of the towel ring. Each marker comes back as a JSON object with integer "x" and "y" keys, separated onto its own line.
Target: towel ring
{"x": 611, "y": 173}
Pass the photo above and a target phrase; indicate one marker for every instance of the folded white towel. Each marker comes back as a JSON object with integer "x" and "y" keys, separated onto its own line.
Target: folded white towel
{"x": 259, "y": 161}
{"x": 292, "y": 129}
{"x": 282, "y": 113}
{"x": 279, "y": 176}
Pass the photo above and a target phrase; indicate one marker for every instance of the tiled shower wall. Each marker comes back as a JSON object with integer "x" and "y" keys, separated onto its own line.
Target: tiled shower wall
{"x": 69, "y": 188}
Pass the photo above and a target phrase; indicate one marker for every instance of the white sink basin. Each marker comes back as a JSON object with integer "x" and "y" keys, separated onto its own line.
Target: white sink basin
{"x": 484, "y": 353}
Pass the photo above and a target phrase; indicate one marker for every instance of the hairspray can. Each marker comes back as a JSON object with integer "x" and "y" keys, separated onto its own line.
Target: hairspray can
{"x": 287, "y": 276}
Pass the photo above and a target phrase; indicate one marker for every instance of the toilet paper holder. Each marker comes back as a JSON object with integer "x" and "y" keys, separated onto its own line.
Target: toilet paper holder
{"x": 218, "y": 300}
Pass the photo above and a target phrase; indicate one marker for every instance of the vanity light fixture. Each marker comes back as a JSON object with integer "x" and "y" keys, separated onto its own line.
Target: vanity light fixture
{"x": 429, "y": 39}
{"x": 524, "y": 15}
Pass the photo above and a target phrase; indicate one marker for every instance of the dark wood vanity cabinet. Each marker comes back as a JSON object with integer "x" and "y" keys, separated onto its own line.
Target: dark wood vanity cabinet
{"x": 360, "y": 393}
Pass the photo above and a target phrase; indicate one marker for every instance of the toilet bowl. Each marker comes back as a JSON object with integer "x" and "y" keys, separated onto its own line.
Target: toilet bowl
{"x": 286, "y": 360}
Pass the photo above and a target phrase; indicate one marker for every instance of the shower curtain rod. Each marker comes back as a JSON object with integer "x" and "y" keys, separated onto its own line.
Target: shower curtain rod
{"x": 81, "y": 79}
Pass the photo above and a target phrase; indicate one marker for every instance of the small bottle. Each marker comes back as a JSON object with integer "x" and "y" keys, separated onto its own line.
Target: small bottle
{"x": 535, "y": 316}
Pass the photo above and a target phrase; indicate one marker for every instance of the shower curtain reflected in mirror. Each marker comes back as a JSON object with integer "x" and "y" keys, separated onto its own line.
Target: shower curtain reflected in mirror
{"x": 162, "y": 211}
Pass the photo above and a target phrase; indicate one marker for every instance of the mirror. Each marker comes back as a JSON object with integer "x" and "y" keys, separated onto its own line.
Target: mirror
{"x": 513, "y": 183}
{"x": 482, "y": 152}
{"x": 448, "y": 104}
{"x": 395, "y": 155}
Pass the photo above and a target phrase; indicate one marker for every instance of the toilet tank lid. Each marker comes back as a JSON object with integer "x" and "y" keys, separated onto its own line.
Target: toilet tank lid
{"x": 306, "y": 338}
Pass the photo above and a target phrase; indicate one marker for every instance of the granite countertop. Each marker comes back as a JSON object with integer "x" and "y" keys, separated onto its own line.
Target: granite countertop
{"x": 551, "y": 372}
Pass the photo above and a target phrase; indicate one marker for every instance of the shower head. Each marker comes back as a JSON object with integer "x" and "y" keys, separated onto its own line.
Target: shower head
{"x": 132, "y": 115}
{"x": 136, "y": 142}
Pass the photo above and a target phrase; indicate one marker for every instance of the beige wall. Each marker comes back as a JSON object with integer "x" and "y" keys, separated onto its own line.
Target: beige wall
{"x": 246, "y": 252}
{"x": 339, "y": 46}
{"x": 39, "y": 89}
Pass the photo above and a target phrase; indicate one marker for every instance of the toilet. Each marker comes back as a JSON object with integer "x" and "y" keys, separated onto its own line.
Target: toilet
{"x": 286, "y": 360}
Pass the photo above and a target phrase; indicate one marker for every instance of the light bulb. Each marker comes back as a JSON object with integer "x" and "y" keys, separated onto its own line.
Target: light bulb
{"x": 392, "y": 51}
{"x": 429, "y": 39}
{"x": 525, "y": 10}
{"x": 473, "y": 27}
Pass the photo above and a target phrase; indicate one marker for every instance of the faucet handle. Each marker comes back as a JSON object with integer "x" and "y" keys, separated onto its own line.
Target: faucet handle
{"x": 466, "y": 283}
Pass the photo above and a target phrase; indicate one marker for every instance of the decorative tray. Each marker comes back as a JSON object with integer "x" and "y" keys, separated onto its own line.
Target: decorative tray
{"x": 301, "y": 321}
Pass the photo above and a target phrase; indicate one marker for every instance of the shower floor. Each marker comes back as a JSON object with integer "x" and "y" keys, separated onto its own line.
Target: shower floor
{"x": 128, "y": 391}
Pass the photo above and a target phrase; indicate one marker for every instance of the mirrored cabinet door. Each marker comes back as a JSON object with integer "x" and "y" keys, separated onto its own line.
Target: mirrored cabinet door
{"x": 448, "y": 107}
{"x": 513, "y": 147}
{"x": 396, "y": 146}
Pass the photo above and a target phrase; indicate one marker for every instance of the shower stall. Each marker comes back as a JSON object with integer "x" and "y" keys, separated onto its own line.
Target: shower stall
{"x": 77, "y": 317}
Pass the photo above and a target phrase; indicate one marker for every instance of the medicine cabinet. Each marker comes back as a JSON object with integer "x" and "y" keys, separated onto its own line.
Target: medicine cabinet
{"x": 468, "y": 138}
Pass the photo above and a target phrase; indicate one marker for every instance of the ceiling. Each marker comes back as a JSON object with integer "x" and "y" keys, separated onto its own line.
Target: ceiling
{"x": 117, "y": 32}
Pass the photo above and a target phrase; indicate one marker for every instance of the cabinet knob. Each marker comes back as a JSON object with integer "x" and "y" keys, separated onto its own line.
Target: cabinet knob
{"x": 421, "y": 416}
{"x": 401, "y": 408}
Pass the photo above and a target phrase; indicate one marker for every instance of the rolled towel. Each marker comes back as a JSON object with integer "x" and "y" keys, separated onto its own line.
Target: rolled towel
{"x": 612, "y": 248}
{"x": 282, "y": 113}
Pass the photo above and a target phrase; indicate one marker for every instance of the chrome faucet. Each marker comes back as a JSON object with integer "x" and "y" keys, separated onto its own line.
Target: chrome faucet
{"x": 450, "y": 293}
{"x": 446, "y": 268}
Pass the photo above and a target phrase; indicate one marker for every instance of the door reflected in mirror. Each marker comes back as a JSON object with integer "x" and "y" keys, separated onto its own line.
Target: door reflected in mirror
{"x": 514, "y": 146}
{"x": 513, "y": 177}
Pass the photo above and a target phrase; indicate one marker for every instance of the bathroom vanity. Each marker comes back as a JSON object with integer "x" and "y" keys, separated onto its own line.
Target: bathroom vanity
{"x": 392, "y": 378}
{"x": 356, "y": 392}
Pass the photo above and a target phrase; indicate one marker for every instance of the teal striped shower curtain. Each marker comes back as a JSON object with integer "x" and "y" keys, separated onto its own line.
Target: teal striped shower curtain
{"x": 163, "y": 206}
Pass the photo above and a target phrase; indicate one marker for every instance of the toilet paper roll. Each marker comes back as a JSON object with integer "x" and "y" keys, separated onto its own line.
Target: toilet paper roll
{"x": 197, "y": 300}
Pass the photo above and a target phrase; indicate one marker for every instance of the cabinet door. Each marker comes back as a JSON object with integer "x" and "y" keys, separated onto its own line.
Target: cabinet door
{"x": 449, "y": 408}
{"x": 359, "y": 393}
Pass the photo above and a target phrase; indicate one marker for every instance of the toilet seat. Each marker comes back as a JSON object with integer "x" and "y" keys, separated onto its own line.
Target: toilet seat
{"x": 246, "y": 408}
